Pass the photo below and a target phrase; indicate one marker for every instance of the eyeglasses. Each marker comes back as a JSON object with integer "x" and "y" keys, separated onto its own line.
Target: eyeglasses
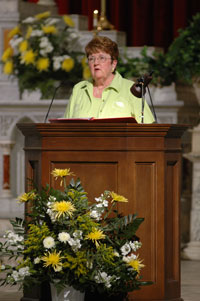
{"x": 100, "y": 59}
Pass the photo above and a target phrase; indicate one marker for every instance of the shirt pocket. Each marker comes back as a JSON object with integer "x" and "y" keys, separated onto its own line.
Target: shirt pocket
{"x": 122, "y": 107}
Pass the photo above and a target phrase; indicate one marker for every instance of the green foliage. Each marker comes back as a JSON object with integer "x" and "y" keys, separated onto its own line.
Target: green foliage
{"x": 183, "y": 53}
{"x": 158, "y": 62}
{"x": 180, "y": 63}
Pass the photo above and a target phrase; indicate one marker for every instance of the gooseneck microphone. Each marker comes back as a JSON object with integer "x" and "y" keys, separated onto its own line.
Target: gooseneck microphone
{"x": 144, "y": 80}
{"x": 54, "y": 94}
{"x": 138, "y": 89}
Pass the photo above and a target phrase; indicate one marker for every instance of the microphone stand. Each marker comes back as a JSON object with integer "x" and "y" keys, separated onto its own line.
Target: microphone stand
{"x": 138, "y": 89}
{"x": 143, "y": 93}
{"x": 154, "y": 113}
{"x": 54, "y": 94}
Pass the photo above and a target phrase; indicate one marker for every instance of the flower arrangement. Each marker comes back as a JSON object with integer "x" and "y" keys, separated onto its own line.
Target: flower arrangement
{"x": 41, "y": 54}
{"x": 66, "y": 240}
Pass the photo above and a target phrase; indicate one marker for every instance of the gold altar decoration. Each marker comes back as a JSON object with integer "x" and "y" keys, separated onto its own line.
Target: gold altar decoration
{"x": 103, "y": 23}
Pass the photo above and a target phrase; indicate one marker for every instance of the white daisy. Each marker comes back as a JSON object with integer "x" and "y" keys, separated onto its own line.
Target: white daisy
{"x": 49, "y": 242}
{"x": 64, "y": 237}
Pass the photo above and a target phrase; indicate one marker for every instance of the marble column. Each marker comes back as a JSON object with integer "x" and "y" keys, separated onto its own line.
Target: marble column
{"x": 192, "y": 251}
{"x": 6, "y": 147}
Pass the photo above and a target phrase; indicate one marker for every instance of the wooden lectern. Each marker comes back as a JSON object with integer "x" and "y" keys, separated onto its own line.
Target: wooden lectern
{"x": 141, "y": 162}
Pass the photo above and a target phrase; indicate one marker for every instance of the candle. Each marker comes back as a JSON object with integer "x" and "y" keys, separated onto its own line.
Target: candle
{"x": 95, "y": 18}
{"x": 103, "y": 7}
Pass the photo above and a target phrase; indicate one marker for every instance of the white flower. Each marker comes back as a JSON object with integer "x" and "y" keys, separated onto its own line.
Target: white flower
{"x": 56, "y": 65}
{"x": 102, "y": 277}
{"x": 49, "y": 48}
{"x": 15, "y": 275}
{"x": 51, "y": 21}
{"x": 49, "y": 242}
{"x": 46, "y": 46}
{"x": 51, "y": 213}
{"x": 57, "y": 62}
{"x": 46, "y": 50}
{"x": 24, "y": 271}
{"x": 20, "y": 275}
{"x": 64, "y": 237}
{"x": 127, "y": 259}
{"x": 44, "y": 42}
{"x": 13, "y": 238}
{"x": 135, "y": 245}
{"x": 125, "y": 249}
{"x": 75, "y": 244}
{"x": 73, "y": 35}
{"x": 58, "y": 268}
{"x": 95, "y": 214}
{"x": 51, "y": 199}
{"x": 66, "y": 56}
{"x": 58, "y": 58}
{"x": 2, "y": 267}
{"x": 14, "y": 42}
{"x": 78, "y": 234}
{"x": 100, "y": 199}
{"x": 105, "y": 203}
{"x": 36, "y": 33}
{"x": 37, "y": 260}
{"x": 29, "y": 20}
{"x": 116, "y": 254}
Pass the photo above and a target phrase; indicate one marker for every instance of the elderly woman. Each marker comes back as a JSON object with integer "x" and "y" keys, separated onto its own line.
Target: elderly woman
{"x": 108, "y": 94}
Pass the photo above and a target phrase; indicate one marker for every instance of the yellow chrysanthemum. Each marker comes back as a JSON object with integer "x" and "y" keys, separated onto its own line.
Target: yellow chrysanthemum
{"x": 68, "y": 20}
{"x": 136, "y": 264}
{"x": 50, "y": 29}
{"x": 30, "y": 196}
{"x": 117, "y": 198}
{"x": 61, "y": 173}
{"x": 68, "y": 64}
{"x": 8, "y": 67}
{"x": 23, "y": 46}
{"x": 86, "y": 73}
{"x": 53, "y": 259}
{"x": 43, "y": 64}
{"x": 7, "y": 54}
{"x": 95, "y": 235}
{"x": 44, "y": 15}
{"x": 63, "y": 208}
{"x": 29, "y": 31}
{"x": 28, "y": 57}
{"x": 16, "y": 30}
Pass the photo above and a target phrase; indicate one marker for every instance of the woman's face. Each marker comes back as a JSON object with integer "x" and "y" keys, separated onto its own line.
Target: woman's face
{"x": 101, "y": 65}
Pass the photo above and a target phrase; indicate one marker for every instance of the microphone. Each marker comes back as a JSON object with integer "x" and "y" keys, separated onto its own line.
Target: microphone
{"x": 54, "y": 94}
{"x": 144, "y": 80}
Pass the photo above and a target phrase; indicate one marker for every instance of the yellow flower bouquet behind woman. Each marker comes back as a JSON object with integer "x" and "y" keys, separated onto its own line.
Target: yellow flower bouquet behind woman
{"x": 69, "y": 241}
{"x": 41, "y": 53}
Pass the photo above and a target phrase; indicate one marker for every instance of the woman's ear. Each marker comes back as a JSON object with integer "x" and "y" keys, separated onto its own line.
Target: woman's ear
{"x": 114, "y": 65}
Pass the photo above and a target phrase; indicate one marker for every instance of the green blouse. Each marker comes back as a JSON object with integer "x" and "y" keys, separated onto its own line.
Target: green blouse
{"x": 117, "y": 101}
